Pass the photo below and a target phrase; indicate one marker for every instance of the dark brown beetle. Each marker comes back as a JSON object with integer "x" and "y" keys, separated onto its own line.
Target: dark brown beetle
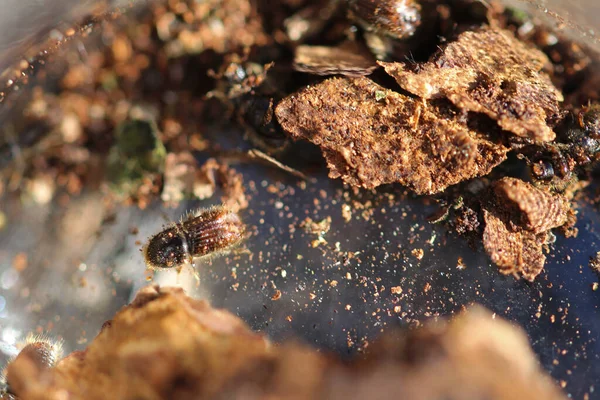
{"x": 202, "y": 233}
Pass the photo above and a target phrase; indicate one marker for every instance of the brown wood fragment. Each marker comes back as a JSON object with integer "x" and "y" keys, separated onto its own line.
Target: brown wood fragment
{"x": 491, "y": 72}
{"x": 371, "y": 136}
{"x": 514, "y": 252}
{"x": 518, "y": 221}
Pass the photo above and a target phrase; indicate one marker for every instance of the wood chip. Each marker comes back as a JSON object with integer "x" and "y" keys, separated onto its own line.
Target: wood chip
{"x": 491, "y": 72}
{"x": 371, "y": 136}
{"x": 514, "y": 252}
{"x": 518, "y": 220}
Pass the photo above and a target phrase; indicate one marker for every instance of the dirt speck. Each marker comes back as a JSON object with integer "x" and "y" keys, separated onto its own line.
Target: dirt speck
{"x": 20, "y": 263}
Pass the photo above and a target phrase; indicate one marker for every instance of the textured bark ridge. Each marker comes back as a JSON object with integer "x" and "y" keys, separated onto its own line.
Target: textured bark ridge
{"x": 517, "y": 224}
{"x": 491, "y": 72}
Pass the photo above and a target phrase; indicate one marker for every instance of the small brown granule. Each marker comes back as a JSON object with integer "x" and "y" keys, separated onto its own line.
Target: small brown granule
{"x": 563, "y": 383}
{"x": 276, "y": 296}
{"x": 418, "y": 253}
{"x": 316, "y": 228}
{"x": 426, "y": 287}
{"x": 370, "y": 136}
{"x": 317, "y": 242}
{"x": 594, "y": 263}
{"x": 396, "y": 290}
{"x": 491, "y": 72}
{"x": 466, "y": 221}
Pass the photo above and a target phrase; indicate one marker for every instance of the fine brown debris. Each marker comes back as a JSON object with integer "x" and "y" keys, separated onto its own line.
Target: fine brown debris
{"x": 517, "y": 223}
{"x": 165, "y": 345}
{"x": 213, "y": 174}
{"x": 491, "y": 72}
{"x": 184, "y": 179}
{"x": 314, "y": 227}
{"x": 594, "y": 264}
{"x": 371, "y": 136}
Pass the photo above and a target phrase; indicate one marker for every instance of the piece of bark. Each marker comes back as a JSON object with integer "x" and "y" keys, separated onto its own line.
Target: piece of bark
{"x": 536, "y": 210}
{"x": 165, "y": 345}
{"x": 489, "y": 71}
{"x": 371, "y": 136}
{"x": 518, "y": 221}
{"x": 518, "y": 252}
